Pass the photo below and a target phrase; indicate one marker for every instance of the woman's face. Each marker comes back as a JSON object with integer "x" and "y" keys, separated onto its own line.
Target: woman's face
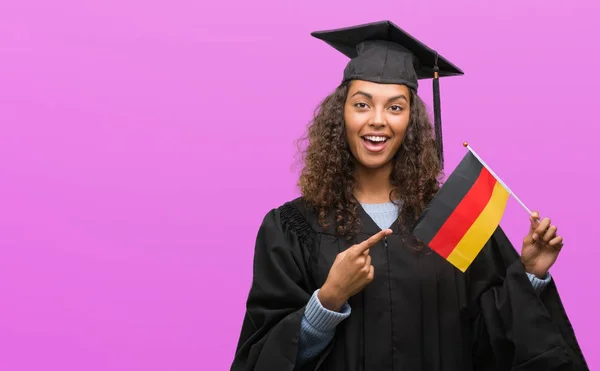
{"x": 376, "y": 118}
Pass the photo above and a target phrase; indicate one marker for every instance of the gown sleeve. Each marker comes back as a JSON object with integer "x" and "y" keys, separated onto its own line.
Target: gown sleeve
{"x": 280, "y": 290}
{"x": 515, "y": 328}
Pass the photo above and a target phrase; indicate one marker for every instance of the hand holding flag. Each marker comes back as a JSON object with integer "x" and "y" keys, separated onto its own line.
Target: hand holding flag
{"x": 467, "y": 210}
{"x": 541, "y": 246}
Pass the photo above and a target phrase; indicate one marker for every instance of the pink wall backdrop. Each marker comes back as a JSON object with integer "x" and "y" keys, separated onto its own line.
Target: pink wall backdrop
{"x": 141, "y": 143}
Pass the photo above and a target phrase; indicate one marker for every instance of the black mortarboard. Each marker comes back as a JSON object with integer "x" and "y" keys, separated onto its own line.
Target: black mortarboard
{"x": 381, "y": 52}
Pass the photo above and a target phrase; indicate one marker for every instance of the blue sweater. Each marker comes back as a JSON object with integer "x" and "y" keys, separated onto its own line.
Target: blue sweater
{"x": 318, "y": 323}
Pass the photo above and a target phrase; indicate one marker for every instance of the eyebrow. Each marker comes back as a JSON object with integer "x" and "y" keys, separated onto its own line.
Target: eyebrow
{"x": 401, "y": 96}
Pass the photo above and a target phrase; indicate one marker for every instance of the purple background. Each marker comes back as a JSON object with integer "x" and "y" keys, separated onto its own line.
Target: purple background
{"x": 141, "y": 143}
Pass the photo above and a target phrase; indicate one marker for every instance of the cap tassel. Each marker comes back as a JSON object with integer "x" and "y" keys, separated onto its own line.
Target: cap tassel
{"x": 437, "y": 112}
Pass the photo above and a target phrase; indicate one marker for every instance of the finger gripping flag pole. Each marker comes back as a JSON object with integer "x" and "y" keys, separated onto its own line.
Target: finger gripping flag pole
{"x": 465, "y": 144}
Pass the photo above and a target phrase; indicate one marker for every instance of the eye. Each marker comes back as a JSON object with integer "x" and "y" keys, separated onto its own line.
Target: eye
{"x": 361, "y": 105}
{"x": 397, "y": 108}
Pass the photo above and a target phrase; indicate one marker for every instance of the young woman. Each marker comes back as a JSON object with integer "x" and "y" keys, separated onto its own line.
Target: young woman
{"x": 340, "y": 283}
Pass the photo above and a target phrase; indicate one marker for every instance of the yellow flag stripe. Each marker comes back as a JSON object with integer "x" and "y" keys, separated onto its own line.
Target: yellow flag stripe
{"x": 481, "y": 230}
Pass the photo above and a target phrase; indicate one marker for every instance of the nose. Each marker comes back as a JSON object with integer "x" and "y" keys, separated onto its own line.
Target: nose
{"x": 378, "y": 119}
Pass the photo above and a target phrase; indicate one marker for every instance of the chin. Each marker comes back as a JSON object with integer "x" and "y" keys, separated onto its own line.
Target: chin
{"x": 373, "y": 164}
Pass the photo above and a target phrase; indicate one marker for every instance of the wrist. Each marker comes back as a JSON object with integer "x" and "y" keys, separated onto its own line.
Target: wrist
{"x": 541, "y": 276}
{"x": 538, "y": 275}
{"x": 330, "y": 299}
{"x": 536, "y": 272}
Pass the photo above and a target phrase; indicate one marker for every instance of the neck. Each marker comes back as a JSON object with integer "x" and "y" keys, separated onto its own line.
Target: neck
{"x": 373, "y": 186}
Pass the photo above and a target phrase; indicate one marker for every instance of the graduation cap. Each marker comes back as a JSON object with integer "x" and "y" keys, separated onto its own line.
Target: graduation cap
{"x": 383, "y": 53}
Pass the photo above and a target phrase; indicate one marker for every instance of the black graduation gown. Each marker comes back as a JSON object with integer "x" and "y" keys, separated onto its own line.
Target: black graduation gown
{"x": 419, "y": 313}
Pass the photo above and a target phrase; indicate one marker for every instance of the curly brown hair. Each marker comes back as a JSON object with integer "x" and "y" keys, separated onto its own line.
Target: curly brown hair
{"x": 326, "y": 180}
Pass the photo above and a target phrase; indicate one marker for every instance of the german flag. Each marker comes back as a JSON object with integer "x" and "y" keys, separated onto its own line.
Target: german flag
{"x": 464, "y": 213}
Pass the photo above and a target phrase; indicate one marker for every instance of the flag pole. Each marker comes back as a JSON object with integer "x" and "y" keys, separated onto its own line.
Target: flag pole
{"x": 497, "y": 177}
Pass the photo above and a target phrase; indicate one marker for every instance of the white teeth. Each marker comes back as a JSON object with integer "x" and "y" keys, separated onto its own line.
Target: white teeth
{"x": 376, "y": 139}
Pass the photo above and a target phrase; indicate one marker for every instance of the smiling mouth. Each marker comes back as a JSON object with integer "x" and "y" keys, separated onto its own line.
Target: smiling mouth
{"x": 374, "y": 143}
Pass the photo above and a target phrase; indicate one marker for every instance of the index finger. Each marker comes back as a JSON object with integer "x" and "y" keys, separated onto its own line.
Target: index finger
{"x": 371, "y": 241}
